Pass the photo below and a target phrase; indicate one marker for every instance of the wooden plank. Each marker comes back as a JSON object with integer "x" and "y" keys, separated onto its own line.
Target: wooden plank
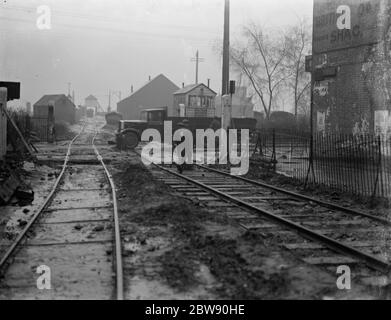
{"x": 313, "y": 245}
{"x": 331, "y": 260}
{"x": 265, "y": 198}
{"x": 304, "y": 246}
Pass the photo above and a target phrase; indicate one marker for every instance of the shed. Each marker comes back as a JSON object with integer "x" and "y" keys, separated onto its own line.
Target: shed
{"x": 156, "y": 93}
{"x": 64, "y": 108}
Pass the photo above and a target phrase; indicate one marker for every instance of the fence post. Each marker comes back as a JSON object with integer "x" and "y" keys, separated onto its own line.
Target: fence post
{"x": 274, "y": 158}
{"x": 378, "y": 168}
{"x": 311, "y": 160}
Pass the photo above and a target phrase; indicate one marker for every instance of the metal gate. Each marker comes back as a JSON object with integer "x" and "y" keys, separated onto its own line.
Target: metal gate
{"x": 40, "y": 127}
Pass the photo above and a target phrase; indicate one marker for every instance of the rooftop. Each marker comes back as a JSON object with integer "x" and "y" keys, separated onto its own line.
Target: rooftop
{"x": 191, "y": 87}
{"x": 50, "y": 98}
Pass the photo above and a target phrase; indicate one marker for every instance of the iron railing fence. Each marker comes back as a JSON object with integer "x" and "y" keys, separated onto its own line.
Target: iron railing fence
{"x": 358, "y": 164}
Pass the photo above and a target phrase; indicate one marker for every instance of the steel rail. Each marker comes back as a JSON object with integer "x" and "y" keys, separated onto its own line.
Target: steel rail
{"x": 301, "y": 196}
{"x": 370, "y": 260}
{"x": 118, "y": 250}
{"x": 47, "y": 201}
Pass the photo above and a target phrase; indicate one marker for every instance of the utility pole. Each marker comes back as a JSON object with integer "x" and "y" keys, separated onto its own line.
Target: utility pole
{"x": 197, "y": 60}
{"x": 69, "y": 89}
{"x": 225, "y": 84}
{"x": 225, "y": 102}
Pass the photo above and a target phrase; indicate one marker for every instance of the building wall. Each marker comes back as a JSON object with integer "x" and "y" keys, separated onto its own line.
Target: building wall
{"x": 346, "y": 98}
{"x": 91, "y": 103}
{"x": 341, "y": 102}
{"x": 64, "y": 110}
{"x": 3, "y": 126}
{"x": 156, "y": 94}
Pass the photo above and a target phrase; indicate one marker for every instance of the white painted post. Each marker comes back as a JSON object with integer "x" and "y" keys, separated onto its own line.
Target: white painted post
{"x": 225, "y": 122}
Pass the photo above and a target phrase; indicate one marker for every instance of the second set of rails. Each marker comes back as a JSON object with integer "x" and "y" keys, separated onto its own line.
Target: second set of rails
{"x": 327, "y": 233}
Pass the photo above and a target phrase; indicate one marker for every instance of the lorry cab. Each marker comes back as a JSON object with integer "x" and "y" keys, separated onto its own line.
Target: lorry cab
{"x": 127, "y": 124}
{"x": 157, "y": 115}
{"x": 130, "y": 131}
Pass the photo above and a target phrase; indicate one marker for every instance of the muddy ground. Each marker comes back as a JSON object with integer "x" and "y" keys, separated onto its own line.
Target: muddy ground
{"x": 175, "y": 248}
{"x": 15, "y": 215}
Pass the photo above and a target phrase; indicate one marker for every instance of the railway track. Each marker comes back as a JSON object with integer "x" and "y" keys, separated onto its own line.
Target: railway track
{"x": 75, "y": 234}
{"x": 321, "y": 233}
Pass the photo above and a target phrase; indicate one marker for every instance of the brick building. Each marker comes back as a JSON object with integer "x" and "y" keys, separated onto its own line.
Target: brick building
{"x": 348, "y": 67}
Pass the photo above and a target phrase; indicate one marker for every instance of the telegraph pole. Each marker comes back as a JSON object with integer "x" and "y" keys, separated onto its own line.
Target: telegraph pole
{"x": 197, "y": 60}
{"x": 225, "y": 84}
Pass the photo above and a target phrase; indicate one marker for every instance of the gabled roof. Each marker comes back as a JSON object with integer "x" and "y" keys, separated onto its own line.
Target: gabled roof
{"x": 191, "y": 87}
{"x": 91, "y": 97}
{"x": 47, "y": 98}
{"x": 160, "y": 76}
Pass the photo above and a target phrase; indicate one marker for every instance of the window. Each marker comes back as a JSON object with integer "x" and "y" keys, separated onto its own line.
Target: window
{"x": 155, "y": 116}
{"x": 144, "y": 116}
{"x": 200, "y": 102}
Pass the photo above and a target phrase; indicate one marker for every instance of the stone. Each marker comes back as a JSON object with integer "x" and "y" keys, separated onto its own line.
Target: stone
{"x": 99, "y": 228}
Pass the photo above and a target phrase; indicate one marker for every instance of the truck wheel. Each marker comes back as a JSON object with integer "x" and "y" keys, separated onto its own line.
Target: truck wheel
{"x": 130, "y": 140}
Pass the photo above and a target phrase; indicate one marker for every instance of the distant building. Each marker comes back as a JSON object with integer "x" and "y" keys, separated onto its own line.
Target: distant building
{"x": 91, "y": 102}
{"x": 157, "y": 93}
{"x": 196, "y": 100}
{"x": 242, "y": 105}
{"x": 62, "y": 107}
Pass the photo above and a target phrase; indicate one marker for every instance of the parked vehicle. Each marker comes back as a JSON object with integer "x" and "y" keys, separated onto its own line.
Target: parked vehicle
{"x": 130, "y": 131}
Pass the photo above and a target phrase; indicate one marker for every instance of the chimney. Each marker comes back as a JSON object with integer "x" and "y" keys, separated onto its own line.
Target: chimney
{"x": 131, "y": 89}
{"x": 149, "y": 78}
{"x": 183, "y": 84}
{"x": 208, "y": 83}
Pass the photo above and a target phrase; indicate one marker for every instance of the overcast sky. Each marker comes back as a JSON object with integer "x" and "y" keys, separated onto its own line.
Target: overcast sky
{"x": 99, "y": 45}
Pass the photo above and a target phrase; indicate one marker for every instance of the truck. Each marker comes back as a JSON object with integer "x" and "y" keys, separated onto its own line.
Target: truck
{"x": 129, "y": 132}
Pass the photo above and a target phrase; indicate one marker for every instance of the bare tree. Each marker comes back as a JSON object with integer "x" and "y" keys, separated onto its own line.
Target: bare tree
{"x": 298, "y": 42}
{"x": 261, "y": 61}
